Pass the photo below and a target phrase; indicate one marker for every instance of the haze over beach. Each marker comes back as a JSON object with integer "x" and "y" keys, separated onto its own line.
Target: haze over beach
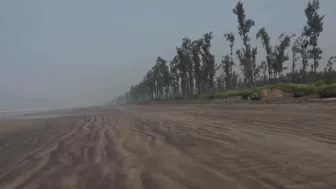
{"x": 167, "y": 94}
{"x": 58, "y": 54}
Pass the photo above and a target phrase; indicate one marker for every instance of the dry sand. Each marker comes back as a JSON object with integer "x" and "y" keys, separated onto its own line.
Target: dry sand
{"x": 210, "y": 146}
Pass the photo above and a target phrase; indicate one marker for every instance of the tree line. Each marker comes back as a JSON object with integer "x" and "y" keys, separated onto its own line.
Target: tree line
{"x": 194, "y": 71}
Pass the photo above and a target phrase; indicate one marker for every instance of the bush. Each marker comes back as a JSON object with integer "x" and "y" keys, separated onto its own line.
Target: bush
{"x": 330, "y": 81}
{"x": 319, "y": 83}
{"x": 327, "y": 91}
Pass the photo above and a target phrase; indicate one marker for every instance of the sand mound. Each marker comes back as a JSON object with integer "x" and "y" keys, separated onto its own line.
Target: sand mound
{"x": 270, "y": 93}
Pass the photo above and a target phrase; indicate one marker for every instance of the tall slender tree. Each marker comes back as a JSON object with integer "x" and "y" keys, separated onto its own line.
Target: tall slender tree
{"x": 265, "y": 39}
{"x": 175, "y": 77}
{"x": 295, "y": 57}
{"x": 331, "y": 61}
{"x": 303, "y": 44}
{"x": 280, "y": 55}
{"x": 312, "y": 30}
{"x": 247, "y": 53}
{"x": 196, "y": 49}
{"x": 231, "y": 39}
{"x": 226, "y": 66}
{"x": 209, "y": 65}
{"x": 187, "y": 59}
{"x": 183, "y": 72}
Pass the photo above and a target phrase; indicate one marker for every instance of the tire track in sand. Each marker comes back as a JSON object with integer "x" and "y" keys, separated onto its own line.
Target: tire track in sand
{"x": 38, "y": 159}
{"x": 161, "y": 147}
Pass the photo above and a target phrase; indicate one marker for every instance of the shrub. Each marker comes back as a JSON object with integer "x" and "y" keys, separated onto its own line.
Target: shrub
{"x": 327, "y": 91}
{"x": 319, "y": 83}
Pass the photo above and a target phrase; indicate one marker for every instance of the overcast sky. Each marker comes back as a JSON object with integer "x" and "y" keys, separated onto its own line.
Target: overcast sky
{"x": 64, "y": 53}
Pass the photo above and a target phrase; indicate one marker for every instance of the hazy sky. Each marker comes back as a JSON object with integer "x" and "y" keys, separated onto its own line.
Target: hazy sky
{"x": 63, "y": 53}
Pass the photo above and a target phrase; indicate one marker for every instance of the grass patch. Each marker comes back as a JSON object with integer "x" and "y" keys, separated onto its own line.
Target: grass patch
{"x": 228, "y": 93}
